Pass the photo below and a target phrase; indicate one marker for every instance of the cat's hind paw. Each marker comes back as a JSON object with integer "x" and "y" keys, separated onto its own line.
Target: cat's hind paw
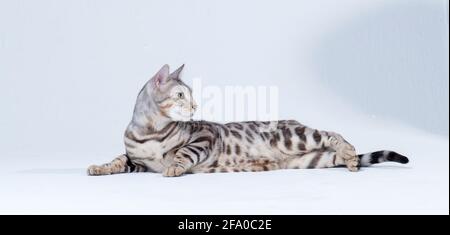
{"x": 353, "y": 164}
{"x": 346, "y": 152}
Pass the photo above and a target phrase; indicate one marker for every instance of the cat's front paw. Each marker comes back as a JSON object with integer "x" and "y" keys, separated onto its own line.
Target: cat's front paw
{"x": 98, "y": 170}
{"x": 173, "y": 171}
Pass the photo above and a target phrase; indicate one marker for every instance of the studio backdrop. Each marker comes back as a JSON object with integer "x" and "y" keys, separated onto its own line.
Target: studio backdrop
{"x": 375, "y": 71}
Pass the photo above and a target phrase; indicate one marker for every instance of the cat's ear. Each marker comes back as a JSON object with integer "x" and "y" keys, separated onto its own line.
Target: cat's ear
{"x": 177, "y": 73}
{"x": 161, "y": 77}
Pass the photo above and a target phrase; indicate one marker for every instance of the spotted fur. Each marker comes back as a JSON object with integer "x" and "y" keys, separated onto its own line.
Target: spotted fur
{"x": 162, "y": 138}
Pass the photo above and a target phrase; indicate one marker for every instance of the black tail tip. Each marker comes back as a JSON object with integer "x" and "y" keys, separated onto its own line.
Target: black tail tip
{"x": 395, "y": 157}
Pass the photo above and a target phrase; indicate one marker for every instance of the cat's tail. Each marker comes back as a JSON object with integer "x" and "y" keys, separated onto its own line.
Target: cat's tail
{"x": 369, "y": 159}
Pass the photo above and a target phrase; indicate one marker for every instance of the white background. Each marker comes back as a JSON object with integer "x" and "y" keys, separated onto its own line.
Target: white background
{"x": 375, "y": 71}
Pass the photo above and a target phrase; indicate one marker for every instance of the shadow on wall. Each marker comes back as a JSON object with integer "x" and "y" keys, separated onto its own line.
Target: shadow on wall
{"x": 392, "y": 62}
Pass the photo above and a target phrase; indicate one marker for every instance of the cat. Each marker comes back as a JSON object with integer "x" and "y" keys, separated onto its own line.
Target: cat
{"x": 162, "y": 138}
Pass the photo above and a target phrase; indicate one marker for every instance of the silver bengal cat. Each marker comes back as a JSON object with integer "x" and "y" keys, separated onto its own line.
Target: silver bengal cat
{"x": 161, "y": 137}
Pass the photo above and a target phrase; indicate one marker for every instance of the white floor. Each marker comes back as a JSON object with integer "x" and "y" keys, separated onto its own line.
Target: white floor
{"x": 56, "y": 183}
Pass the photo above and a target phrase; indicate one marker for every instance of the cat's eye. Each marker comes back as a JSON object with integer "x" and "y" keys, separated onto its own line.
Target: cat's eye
{"x": 180, "y": 95}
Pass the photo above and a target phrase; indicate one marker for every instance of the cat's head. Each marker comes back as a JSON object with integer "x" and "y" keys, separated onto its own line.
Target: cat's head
{"x": 170, "y": 95}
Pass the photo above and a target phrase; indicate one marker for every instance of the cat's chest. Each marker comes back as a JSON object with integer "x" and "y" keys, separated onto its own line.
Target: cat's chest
{"x": 152, "y": 150}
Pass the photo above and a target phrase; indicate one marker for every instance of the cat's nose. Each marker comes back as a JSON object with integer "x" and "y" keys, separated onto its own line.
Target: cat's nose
{"x": 194, "y": 107}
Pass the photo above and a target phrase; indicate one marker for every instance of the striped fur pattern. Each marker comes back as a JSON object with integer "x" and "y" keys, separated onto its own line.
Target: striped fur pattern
{"x": 162, "y": 138}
